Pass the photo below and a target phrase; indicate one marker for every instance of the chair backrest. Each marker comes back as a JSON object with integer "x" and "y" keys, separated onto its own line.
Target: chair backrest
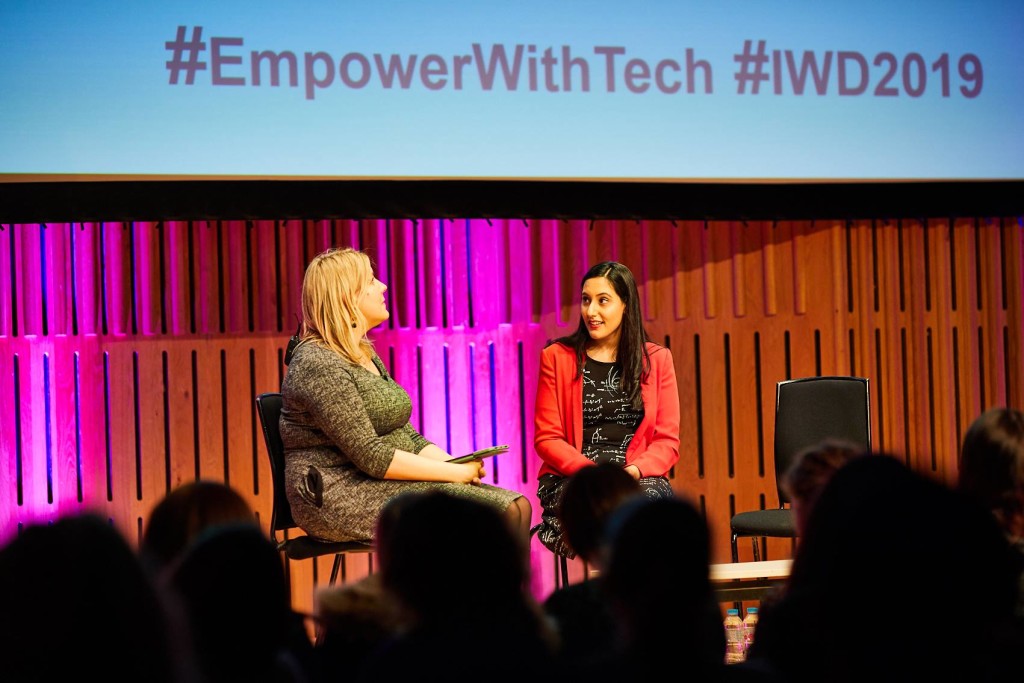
{"x": 812, "y": 409}
{"x": 268, "y": 406}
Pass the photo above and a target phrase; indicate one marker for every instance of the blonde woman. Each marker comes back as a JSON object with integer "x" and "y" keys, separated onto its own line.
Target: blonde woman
{"x": 349, "y": 446}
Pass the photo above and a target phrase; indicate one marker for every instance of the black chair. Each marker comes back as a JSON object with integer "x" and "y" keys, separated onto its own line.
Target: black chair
{"x": 268, "y": 406}
{"x": 807, "y": 412}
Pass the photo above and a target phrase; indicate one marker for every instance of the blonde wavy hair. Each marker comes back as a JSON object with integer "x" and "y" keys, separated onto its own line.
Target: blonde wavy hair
{"x": 334, "y": 282}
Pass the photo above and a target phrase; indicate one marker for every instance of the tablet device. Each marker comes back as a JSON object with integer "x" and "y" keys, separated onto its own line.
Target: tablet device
{"x": 480, "y": 454}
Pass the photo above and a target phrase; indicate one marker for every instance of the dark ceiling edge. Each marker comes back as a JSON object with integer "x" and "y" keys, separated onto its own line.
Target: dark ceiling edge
{"x": 85, "y": 201}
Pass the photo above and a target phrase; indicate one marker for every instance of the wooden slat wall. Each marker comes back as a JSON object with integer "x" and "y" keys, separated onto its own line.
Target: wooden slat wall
{"x": 130, "y": 353}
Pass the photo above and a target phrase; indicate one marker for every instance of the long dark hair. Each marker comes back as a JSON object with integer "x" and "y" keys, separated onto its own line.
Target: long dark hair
{"x": 632, "y": 354}
{"x": 992, "y": 462}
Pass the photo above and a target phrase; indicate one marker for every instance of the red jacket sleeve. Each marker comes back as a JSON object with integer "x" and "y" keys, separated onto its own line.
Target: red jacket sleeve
{"x": 553, "y": 413}
{"x": 661, "y": 394}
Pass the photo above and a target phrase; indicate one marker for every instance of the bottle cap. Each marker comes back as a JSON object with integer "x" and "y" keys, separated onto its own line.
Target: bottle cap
{"x": 732, "y": 611}
{"x": 751, "y": 610}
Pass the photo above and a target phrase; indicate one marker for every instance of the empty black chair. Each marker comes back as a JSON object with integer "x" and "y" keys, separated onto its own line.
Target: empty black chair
{"x": 807, "y": 412}
{"x": 268, "y": 406}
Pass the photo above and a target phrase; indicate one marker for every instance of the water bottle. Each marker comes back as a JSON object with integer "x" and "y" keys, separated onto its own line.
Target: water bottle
{"x": 733, "y": 637}
{"x": 749, "y": 624}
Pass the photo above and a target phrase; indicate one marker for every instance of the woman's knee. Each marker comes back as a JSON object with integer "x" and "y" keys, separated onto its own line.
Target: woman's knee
{"x": 520, "y": 511}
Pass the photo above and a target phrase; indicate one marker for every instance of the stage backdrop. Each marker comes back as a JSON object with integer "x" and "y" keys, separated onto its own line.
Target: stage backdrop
{"x": 130, "y": 353}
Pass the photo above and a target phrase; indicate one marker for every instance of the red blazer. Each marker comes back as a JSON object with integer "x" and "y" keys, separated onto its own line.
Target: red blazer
{"x": 558, "y": 415}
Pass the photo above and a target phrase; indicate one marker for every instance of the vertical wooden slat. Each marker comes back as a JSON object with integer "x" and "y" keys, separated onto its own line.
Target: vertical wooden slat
{"x": 524, "y": 278}
{"x": 121, "y": 391}
{"x": 181, "y": 428}
{"x": 178, "y": 277}
{"x": 88, "y": 281}
{"x": 486, "y": 274}
{"x": 9, "y": 438}
{"x": 210, "y": 415}
{"x": 404, "y": 272}
{"x": 989, "y": 315}
{"x": 1013, "y": 257}
{"x": 148, "y": 287}
{"x": 947, "y": 370}
{"x": 238, "y": 417}
{"x": 153, "y": 458}
{"x": 573, "y": 261}
{"x": 549, "y": 274}
{"x": 458, "y": 422}
{"x": 430, "y": 285}
{"x": 890, "y": 320}
{"x": 206, "y": 279}
{"x": 63, "y": 439}
{"x": 92, "y": 421}
{"x": 235, "y": 277}
{"x": 8, "y": 274}
{"x": 292, "y": 267}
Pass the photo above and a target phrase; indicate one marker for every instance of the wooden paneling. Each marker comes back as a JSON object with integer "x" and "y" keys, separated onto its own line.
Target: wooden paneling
{"x": 130, "y": 353}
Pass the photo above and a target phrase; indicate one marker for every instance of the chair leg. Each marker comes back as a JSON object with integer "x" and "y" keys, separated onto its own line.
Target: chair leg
{"x": 335, "y": 568}
{"x": 757, "y": 548}
{"x": 735, "y": 549}
{"x": 564, "y": 564}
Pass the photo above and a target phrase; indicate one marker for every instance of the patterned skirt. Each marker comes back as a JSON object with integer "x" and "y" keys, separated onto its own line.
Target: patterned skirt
{"x": 549, "y": 492}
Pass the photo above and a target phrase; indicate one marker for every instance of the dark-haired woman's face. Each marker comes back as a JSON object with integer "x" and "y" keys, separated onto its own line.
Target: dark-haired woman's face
{"x": 602, "y": 310}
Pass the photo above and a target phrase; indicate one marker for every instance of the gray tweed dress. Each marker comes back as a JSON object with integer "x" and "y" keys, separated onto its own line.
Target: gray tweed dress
{"x": 341, "y": 424}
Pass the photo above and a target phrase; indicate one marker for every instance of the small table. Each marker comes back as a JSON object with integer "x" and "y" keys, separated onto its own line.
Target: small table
{"x": 738, "y": 581}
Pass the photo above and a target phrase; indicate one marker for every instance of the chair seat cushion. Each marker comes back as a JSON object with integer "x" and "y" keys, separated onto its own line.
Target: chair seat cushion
{"x": 777, "y": 522}
{"x": 304, "y": 547}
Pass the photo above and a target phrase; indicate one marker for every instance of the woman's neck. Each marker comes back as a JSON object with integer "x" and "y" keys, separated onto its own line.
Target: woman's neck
{"x": 606, "y": 351}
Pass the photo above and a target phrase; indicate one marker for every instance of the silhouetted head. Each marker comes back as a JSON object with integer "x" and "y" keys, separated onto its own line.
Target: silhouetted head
{"x": 992, "y": 465}
{"x": 232, "y": 587}
{"x": 434, "y": 547}
{"x": 810, "y": 471}
{"x": 881, "y": 538}
{"x": 355, "y": 619}
{"x": 186, "y": 512}
{"x": 589, "y": 498}
{"x": 657, "y": 568}
{"x": 76, "y": 602}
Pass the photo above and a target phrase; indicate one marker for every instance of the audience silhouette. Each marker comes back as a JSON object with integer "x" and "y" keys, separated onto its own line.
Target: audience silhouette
{"x": 896, "y": 577}
{"x": 235, "y": 598}
{"x": 76, "y": 602}
{"x": 458, "y": 574}
{"x": 656, "y": 577}
{"x": 810, "y": 471}
{"x": 992, "y": 473}
{"x": 580, "y": 612}
{"x": 353, "y": 620}
{"x": 183, "y": 514}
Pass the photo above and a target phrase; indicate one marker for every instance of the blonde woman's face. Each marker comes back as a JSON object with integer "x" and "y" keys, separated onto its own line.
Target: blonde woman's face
{"x": 372, "y": 304}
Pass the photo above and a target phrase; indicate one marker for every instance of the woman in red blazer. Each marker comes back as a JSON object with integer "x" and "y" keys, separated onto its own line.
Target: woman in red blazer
{"x": 606, "y": 394}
